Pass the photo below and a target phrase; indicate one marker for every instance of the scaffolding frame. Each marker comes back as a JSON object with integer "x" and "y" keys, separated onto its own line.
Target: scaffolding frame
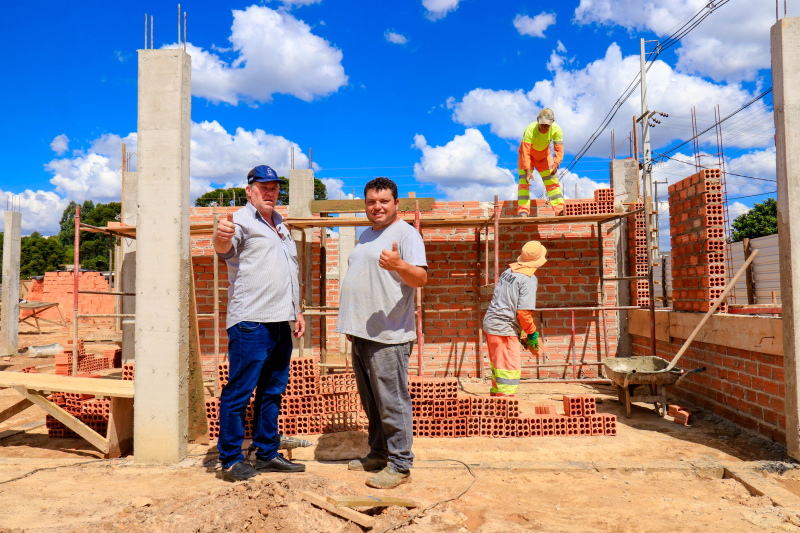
{"x": 479, "y": 224}
{"x": 420, "y": 221}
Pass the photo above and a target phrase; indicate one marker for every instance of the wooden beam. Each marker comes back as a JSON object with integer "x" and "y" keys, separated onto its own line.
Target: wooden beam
{"x": 357, "y": 206}
{"x": 348, "y": 514}
{"x": 65, "y": 418}
{"x": 15, "y": 409}
{"x": 198, "y": 425}
{"x": 751, "y": 288}
{"x": 370, "y": 501}
{"x": 120, "y": 428}
{"x": 114, "y": 388}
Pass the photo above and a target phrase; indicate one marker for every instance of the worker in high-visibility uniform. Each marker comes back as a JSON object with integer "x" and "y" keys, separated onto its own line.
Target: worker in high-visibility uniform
{"x": 511, "y": 314}
{"x": 534, "y": 153}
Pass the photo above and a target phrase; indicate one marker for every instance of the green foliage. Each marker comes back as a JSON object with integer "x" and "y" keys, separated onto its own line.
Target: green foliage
{"x": 40, "y": 254}
{"x": 237, "y": 196}
{"x": 760, "y": 221}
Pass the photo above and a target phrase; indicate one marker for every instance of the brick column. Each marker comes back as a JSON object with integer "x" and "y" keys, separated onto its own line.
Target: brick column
{"x": 698, "y": 241}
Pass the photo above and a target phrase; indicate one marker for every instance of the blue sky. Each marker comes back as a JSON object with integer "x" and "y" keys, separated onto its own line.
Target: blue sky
{"x": 434, "y": 93}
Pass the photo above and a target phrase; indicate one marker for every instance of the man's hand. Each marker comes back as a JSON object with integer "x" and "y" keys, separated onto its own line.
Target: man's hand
{"x": 554, "y": 170}
{"x": 390, "y": 260}
{"x": 226, "y": 229}
{"x": 299, "y": 326}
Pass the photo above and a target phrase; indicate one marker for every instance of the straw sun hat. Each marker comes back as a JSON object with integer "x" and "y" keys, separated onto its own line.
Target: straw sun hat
{"x": 533, "y": 254}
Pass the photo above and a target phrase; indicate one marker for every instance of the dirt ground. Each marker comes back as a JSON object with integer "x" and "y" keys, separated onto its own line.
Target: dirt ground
{"x": 654, "y": 475}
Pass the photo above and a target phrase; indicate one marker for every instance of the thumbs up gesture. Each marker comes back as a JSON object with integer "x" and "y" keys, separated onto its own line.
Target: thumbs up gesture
{"x": 390, "y": 260}
{"x": 226, "y": 229}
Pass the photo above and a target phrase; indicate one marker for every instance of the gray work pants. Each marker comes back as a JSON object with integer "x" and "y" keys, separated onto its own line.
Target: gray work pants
{"x": 382, "y": 378}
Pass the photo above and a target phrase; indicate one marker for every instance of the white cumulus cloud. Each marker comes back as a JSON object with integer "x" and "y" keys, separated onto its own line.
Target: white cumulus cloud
{"x": 277, "y": 54}
{"x": 60, "y": 144}
{"x": 581, "y": 98}
{"x": 534, "y": 27}
{"x": 732, "y": 44}
{"x": 465, "y": 168}
{"x": 439, "y": 8}
{"x": 393, "y": 37}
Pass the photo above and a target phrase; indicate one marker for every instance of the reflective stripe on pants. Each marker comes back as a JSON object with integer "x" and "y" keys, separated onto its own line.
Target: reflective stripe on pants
{"x": 551, "y": 185}
{"x": 504, "y": 356}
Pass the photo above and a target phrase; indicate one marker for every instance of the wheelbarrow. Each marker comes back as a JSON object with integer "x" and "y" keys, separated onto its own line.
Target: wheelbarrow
{"x": 628, "y": 372}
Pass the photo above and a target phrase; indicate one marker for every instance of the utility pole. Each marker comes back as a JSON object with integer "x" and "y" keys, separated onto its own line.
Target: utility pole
{"x": 647, "y": 166}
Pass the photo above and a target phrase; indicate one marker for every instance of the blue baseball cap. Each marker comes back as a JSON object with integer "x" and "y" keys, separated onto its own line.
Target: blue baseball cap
{"x": 263, "y": 173}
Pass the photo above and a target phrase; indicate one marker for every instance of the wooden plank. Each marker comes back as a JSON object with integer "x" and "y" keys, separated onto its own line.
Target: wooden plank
{"x": 120, "y": 428}
{"x": 639, "y": 323}
{"x": 761, "y": 486}
{"x": 370, "y": 501}
{"x": 357, "y": 206}
{"x": 15, "y": 409}
{"x": 21, "y": 429}
{"x": 198, "y": 425}
{"x": 348, "y": 514}
{"x": 113, "y": 388}
{"x": 65, "y": 418}
{"x": 751, "y": 290}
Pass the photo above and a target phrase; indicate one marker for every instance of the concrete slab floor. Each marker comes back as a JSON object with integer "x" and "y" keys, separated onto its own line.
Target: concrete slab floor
{"x": 545, "y": 484}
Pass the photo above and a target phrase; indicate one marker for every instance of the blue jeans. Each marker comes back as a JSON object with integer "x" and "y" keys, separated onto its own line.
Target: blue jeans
{"x": 258, "y": 357}
{"x": 382, "y": 379}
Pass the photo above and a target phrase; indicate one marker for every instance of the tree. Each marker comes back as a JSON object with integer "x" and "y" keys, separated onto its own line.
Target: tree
{"x": 760, "y": 221}
{"x": 95, "y": 247}
{"x": 228, "y": 195}
{"x": 39, "y": 255}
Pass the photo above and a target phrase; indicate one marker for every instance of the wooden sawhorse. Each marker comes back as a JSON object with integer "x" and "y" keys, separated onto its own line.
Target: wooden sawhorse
{"x": 33, "y": 388}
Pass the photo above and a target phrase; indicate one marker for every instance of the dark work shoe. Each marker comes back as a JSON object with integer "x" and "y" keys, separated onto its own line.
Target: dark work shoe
{"x": 279, "y": 464}
{"x": 367, "y": 464}
{"x": 388, "y": 478}
{"x": 240, "y": 471}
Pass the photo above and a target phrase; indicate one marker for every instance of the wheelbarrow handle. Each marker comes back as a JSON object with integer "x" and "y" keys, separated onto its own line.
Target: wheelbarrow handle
{"x": 627, "y": 377}
{"x": 685, "y": 374}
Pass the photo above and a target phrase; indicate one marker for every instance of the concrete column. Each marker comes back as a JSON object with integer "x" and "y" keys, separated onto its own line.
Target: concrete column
{"x": 625, "y": 182}
{"x": 347, "y": 241}
{"x": 163, "y": 263}
{"x": 785, "y": 36}
{"x": 301, "y": 193}
{"x": 130, "y": 208}
{"x": 9, "y": 316}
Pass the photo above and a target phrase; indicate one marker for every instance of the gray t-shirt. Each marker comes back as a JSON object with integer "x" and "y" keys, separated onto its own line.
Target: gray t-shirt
{"x": 514, "y": 291}
{"x": 375, "y": 304}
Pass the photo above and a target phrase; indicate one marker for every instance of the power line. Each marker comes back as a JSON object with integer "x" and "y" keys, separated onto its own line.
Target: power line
{"x": 752, "y": 195}
{"x": 660, "y": 47}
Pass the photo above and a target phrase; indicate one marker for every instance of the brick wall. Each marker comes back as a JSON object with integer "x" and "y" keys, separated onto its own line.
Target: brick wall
{"x": 59, "y": 287}
{"x": 569, "y": 278}
{"x": 742, "y": 386}
{"x": 698, "y": 241}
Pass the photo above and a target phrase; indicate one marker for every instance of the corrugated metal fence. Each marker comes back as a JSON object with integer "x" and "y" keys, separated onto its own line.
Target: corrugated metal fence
{"x": 766, "y": 272}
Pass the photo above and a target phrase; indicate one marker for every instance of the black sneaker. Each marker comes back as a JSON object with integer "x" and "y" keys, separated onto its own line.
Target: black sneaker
{"x": 279, "y": 464}
{"x": 240, "y": 471}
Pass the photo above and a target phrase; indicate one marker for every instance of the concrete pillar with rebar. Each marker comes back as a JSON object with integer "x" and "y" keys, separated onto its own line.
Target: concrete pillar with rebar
{"x": 301, "y": 193}
{"x": 163, "y": 262}
{"x": 785, "y": 36}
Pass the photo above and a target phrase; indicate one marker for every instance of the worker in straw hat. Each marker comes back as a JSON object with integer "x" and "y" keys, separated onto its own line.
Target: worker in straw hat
{"x": 510, "y": 315}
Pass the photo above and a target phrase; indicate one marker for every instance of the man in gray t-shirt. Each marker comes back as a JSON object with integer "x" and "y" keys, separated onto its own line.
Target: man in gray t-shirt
{"x": 376, "y": 312}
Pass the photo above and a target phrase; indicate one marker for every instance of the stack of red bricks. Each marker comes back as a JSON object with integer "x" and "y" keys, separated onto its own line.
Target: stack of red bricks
{"x": 316, "y": 404}
{"x": 698, "y": 241}
{"x": 602, "y": 204}
{"x": 60, "y": 287}
{"x": 637, "y": 250}
{"x": 91, "y": 411}
{"x": 111, "y": 358}
{"x": 311, "y": 403}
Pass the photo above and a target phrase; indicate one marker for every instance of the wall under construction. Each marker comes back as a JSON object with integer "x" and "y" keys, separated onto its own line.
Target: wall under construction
{"x": 570, "y": 278}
